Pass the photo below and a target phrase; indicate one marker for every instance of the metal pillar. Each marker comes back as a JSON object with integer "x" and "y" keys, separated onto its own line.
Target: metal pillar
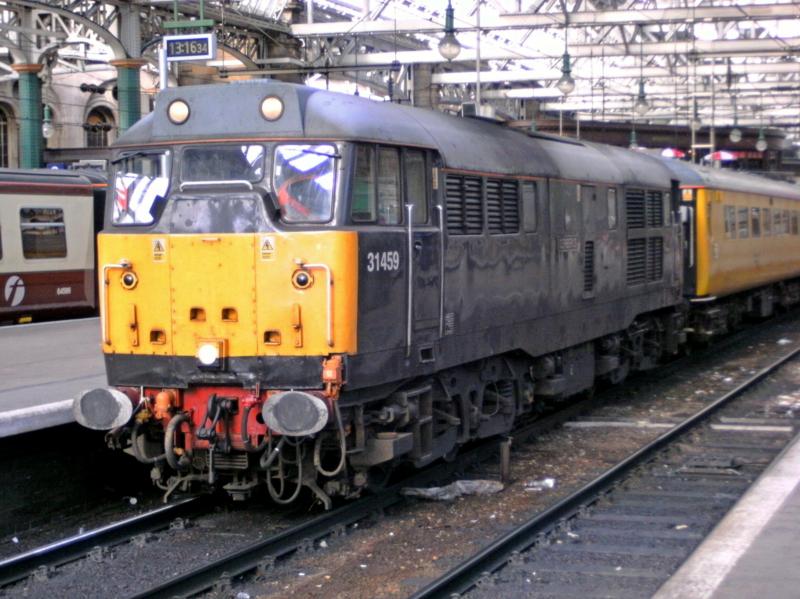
{"x": 30, "y": 104}
{"x": 128, "y": 91}
{"x": 423, "y": 95}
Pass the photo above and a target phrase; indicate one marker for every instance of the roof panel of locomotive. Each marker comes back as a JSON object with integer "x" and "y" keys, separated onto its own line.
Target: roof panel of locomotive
{"x": 232, "y": 112}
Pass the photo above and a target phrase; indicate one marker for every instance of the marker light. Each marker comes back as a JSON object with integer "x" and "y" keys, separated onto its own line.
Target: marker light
{"x": 208, "y": 354}
{"x": 129, "y": 280}
{"x": 272, "y": 108}
{"x": 178, "y": 112}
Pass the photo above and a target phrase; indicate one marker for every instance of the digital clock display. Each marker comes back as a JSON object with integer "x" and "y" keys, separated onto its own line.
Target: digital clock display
{"x": 190, "y": 47}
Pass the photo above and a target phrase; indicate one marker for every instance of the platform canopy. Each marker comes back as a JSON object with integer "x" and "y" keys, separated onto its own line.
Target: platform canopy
{"x": 714, "y": 62}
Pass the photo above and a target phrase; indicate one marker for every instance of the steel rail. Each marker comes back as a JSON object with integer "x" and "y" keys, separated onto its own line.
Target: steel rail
{"x": 492, "y": 557}
{"x": 72, "y": 548}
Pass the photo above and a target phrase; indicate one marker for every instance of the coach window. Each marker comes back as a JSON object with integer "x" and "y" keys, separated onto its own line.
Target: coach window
{"x": 766, "y": 221}
{"x": 730, "y": 222}
{"x": 611, "y": 201}
{"x": 389, "y": 204}
{"x": 43, "y": 233}
{"x": 755, "y": 223}
{"x": 794, "y": 225}
{"x": 529, "y": 206}
{"x": 776, "y": 222}
{"x": 744, "y": 223}
{"x": 417, "y": 184}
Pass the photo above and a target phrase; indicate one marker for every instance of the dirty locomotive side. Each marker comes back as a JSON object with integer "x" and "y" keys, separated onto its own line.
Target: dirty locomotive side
{"x": 301, "y": 289}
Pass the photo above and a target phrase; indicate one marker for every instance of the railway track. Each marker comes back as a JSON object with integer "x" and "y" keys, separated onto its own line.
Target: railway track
{"x": 72, "y": 548}
{"x": 624, "y": 533}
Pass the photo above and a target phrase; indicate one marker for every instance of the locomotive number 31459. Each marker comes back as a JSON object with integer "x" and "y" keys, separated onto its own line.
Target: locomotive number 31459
{"x": 378, "y": 261}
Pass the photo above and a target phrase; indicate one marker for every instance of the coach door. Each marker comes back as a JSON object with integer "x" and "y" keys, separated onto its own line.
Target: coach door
{"x": 687, "y": 215}
{"x": 424, "y": 251}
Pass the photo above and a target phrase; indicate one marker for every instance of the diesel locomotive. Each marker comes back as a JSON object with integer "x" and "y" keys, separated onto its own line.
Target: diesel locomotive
{"x": 302, "y": 289}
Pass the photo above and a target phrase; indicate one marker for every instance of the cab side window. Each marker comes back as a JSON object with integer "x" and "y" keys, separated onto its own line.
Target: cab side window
{"x": 611, "y": 200}
{"x": 529, "y": 206}
{"x": 416, "y": 181}
{"x": 377, "y": 195}
{"x": 390, "y": 208}
{"x": 363, "y": 206}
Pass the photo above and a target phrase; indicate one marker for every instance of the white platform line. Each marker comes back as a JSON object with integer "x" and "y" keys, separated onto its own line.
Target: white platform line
{"x": 752, "y": 428}
{"x": 708, "y": 566}
{"x": 25, "y": 420}
{"x": 616, "y": 424}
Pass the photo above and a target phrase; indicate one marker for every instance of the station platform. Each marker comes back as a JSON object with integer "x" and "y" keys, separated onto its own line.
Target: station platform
{"x": 43, "y": 366}
{"x": 755, "y": 550}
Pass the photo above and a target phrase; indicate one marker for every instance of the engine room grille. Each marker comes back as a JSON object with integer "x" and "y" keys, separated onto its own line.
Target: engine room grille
{"x": 588, "y": 267}
{"x": 502, "y": 206}
{"x": 655, "y": 258}
{"x": 635, "y": 208}
{"x": 637, "y": 261}
{"x": 655, "y": 209}
{"x": 645, "y": 260}
{"x": 464, "y": 206}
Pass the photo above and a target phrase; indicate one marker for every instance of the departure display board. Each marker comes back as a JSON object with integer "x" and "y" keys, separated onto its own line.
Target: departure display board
{"x": 197, "y": 46}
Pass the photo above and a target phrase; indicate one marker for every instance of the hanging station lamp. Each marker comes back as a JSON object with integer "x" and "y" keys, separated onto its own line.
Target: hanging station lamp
{"x": 695, "y": 123}
{"x": 47, "y": 123}
{"x": 566, "y": 84}
{"x": 641, "y": 107}
{"x": 761, "y": 142}
{"x": 449, "y": 46}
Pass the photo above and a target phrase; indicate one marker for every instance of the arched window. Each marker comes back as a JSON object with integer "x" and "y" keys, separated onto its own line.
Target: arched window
{"x": 3, "y": 138}
{"x": 98, "y": 123}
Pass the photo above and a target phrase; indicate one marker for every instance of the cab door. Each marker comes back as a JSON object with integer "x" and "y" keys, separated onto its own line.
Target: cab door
{"x": 424, "y": 239}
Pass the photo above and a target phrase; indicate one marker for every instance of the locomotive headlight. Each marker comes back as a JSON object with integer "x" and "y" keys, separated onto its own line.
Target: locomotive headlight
{"x": 178, "y": 112}
{"x": 208, "y": 354}
{"x": 272, "y": 108}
